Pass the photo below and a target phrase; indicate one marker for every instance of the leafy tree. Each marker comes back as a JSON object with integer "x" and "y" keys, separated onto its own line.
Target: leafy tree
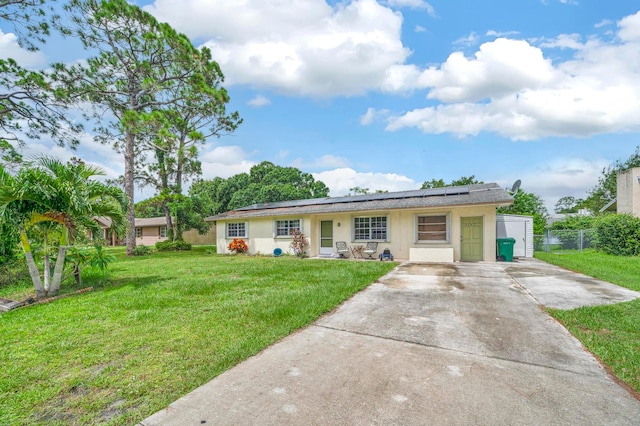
{"x": 30, "y": 105}
{"x": 58, "y": 195}
{"x": 568, "y": 205}
{"x": 142, "y": 68}
{"x": 265, "y": 183}
{"x": 197, "y": 113}
{"x": 356, "y": 190}
{"x": 439, "y": 183}
{"x": 530, "y": 204}
{"x": 214, "y": 195}
{"x": 151, "y": 207}
{"x": 606, "y": 188}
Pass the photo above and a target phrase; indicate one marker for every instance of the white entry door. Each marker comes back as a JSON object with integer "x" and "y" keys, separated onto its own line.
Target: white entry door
{"x": 326, "y": 237}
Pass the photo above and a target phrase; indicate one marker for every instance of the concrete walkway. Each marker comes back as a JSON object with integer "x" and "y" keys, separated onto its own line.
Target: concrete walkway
{"x": 445, "y": 344}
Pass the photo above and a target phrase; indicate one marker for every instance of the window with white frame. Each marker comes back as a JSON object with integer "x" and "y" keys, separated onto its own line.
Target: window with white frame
{"x": 370, "y": 228}
{"x": 138, "y": 232}
{"x": 433, "y": 228}
{"x": 163, "y": 232}
{"x": 284, "y": 228}
{"x": 237, "y": 230}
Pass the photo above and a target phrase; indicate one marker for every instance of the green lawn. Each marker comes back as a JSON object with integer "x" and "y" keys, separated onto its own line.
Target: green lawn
{"x": 612, "y": 332}
{"x": 159, "y": 327}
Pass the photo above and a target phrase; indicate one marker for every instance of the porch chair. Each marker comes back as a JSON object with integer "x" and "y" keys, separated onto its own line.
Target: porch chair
{"x": 342, "y": 249}
{"x": 370, "y": 249}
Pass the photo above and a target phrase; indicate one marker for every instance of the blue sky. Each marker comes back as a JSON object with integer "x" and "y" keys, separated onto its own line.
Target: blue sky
{"x": 387, "y": 94}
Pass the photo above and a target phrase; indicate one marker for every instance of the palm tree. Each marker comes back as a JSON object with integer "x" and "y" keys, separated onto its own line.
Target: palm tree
{"x": 48, "y": 190}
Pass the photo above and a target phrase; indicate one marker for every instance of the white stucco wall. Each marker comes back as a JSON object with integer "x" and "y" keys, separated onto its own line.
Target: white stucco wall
{"x": 260, "y": 232}
{"x": 401, "y": 232}
{"x": 628, "y": 192}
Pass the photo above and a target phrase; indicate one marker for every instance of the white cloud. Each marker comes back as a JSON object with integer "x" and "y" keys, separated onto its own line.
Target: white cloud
{"x": 413, "y": 4}
{"x": 225, "y": 161}
{"x": 259, "y": 101}
{"x": 9, "y": 48}
{"x": 564, "y": 41}
{"x": 499, "y": 67}
{"x": 297, "y": 47}
{"x": 340, "y": 180}
{"x": 372, "y": 115}
{"x": 510, "y": 88}
{"x": 560, "y": 177}
{"x": 630, "y": 28}
{"x": 603, "y": 23}
{"x": 469, "y": 40}
{"x": 368, "y": 116}
{"x": 420, "y": 29}
{"x": 494, "y": 33}
{"x": 324, "y": 162}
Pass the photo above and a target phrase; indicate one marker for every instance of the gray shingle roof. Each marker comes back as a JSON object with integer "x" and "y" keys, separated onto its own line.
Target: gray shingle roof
{"x": 489, "y": 193}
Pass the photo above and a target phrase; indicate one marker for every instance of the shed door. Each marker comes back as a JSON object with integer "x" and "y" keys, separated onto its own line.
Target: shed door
{"x": 326, "y": 237}
{"x": 471, "y": 239}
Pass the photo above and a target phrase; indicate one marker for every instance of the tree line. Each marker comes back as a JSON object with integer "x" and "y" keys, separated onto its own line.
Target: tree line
{"x": 165, "y": 95}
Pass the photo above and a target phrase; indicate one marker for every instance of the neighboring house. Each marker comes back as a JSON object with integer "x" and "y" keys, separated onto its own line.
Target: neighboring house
{"x": 628, "y": 192}
{"x": 439, "y": 225}
{"x": 110, "y": 237}
{"x": 151, "y": 230}
{"x": 627, "y": 198}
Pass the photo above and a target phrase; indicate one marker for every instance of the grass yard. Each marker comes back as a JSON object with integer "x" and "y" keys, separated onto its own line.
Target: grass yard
{"x": 161, "y": 326}
{"x": 612, "y": 332}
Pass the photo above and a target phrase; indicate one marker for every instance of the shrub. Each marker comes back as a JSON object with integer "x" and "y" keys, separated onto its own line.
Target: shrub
{"x": 177, "y": 245}
{"x": 619, "y": 234}
{"x": 238, "y": 245}
{"x": 14, "y": 272}
{"x": 141, "y": 250}
{"x": 299, "y": 243}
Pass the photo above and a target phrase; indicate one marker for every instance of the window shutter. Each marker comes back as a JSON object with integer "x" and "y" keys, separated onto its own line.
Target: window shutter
{"x": 246, "y": 229}
{"x": 274, "y": 224}
{"x": 224, "y": 229}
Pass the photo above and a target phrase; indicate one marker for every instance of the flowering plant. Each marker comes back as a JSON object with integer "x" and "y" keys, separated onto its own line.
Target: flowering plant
{"x": 238, "y": 245}
{"x": 299, "y": 243}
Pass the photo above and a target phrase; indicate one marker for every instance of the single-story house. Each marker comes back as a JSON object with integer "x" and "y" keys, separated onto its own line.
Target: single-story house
{"x": 151, "y": 230}
{"x": 434, "y": 225}
{"x": 108, "y": 235}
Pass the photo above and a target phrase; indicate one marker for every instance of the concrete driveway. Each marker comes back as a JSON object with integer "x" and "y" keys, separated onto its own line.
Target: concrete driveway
{"x": 442, "y": 344}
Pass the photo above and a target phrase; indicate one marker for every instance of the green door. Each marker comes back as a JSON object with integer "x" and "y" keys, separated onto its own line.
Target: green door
{"x": 326, "y": 237}
{"x": 471, "y": 239}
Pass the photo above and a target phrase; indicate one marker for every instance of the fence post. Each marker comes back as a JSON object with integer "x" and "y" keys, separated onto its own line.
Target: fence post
{"x": 547, "y": 243}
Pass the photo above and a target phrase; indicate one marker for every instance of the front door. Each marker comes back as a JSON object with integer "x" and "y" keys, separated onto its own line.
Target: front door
{"x": 326, "y": 237}
{"x": 471, "y": 239}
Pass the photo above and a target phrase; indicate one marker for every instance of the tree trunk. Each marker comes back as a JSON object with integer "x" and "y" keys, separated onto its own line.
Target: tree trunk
{"x": 31, "y": 263}
{"x": 129, "y": 163}
{"x": 167, "y": 215}
{"x": 57, "y": 272}
{"x": 47, "y": 272}
{"x": 76, "y": 274}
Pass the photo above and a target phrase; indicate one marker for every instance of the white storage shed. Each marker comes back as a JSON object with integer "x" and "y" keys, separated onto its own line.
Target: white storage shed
{"x": 518, "y": 227}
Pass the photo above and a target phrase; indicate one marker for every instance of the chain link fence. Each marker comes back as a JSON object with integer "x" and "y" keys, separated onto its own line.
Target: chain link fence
{"x": 566, "y": 239}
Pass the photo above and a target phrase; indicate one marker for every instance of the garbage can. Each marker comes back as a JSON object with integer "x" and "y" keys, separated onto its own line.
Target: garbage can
{"x": 505, "y": 249}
